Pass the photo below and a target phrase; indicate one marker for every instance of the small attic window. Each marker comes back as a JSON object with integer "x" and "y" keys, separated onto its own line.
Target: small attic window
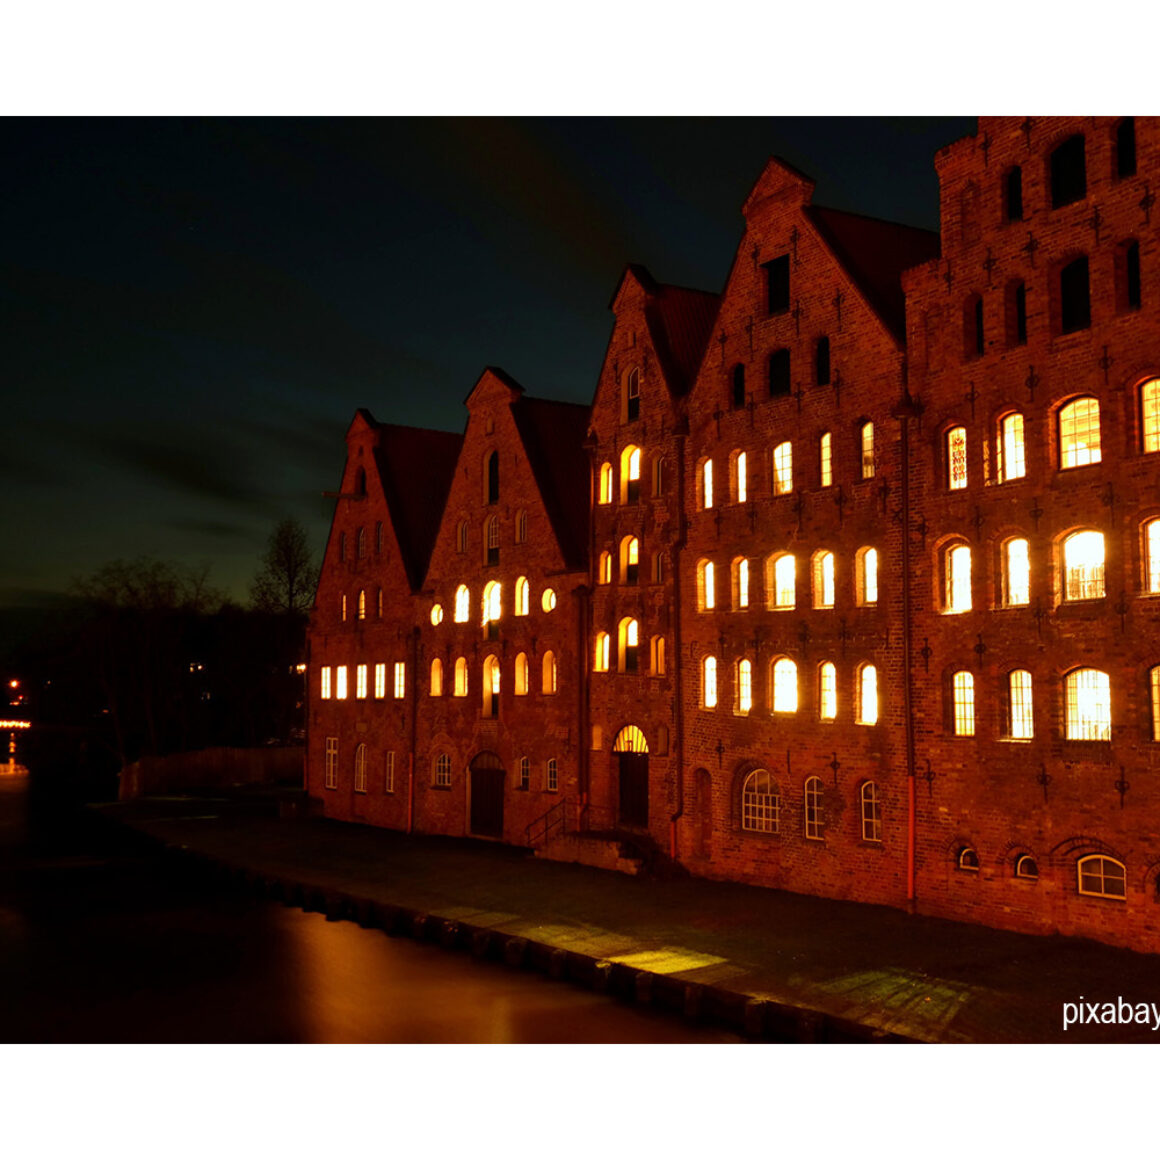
{"x": 777, "y": 285}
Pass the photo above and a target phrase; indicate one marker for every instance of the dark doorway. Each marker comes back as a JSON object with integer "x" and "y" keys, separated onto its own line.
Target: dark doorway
{"x": 633, "y": 789}
{"x": 487, "y": 775}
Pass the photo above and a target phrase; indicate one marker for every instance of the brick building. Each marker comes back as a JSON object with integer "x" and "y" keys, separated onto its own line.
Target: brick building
{"x": 848, "y": 583}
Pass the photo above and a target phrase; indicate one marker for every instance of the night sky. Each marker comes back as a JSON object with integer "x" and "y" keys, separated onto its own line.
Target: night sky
{"x": 194, "y": 309}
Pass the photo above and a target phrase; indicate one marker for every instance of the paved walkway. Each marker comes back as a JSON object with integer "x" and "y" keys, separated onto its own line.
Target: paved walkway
{"x": 924, "y": 978}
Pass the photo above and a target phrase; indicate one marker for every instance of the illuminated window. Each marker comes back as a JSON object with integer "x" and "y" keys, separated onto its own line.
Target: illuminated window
{"x": 1020, "y": 719}
{"x": 360, "y": 769}
{"x": 739, "y": 463}
{"x": 461, "y": 537}
{"x": 739, "y": 571}
{"x": 437, "y": 678}
{"x": 760, "y": 803}
{"x": 1152, "y": 556}
{"x": 822, "y": 362}
{"x": 628, "y": 633}
{"x": 344, "y": 606}
{"x": 780, "y": 581}
{"x": 525, "y": 773}
{"x": 1016, "y": 573}
{"x": 813, "y": 802}
{"x": 340, "y": 683}
{"x": 551, "y": 775}
{"x": 784, "y": 684}
{"x": 521, "y": 526}
{"x": 629, "y": 560}
{"x": 605, "y": 492}
{"x": 548, "y": 600}
{"x": 968, "y": 859}
{"x": 492, "y": 603}
{"x": 783, "y": 469}
{"x": 705, "y": 483}
{"x": 443, "y": 770}
{"x": 780, "y": 382}
{"x": 738, "y": 393}
{"x": 491, "y": 538}
{"x": 823, "y": 579}
{"x": 1083, "y": 566}
{"x": 491, "y": 683}
{"x": 437, "y": 614}
{"x": 400, "y": 680}
{"x": 1026, "y": 867}
{"x": 1068, "y": 172}
{"x": 389, "y": 772}
{"x": 957, "y": 578}
{"x": 520, "y": 684}
{"x": 604, "y": 569}
{"x": 630, "y": 475}
{"x": 866, "y": 576}
{"x": 331, "y": 767}
{"x": 871, "y": 813}
{"x": 743, "y": 694}
{"x": 826, "y": 460}
{"x": 1079, "y": 433}
{"x": 462, "y": 604}
{"x": 706, "y": 587}
{"x": 957, "y": 458}
{"x": 492, "y": 473}
{"x": 324, "y": 690}
{"x": 600, "y": 654}
{"x": 866, "y": 440}
{"x": 827, "y": 691}
{"x": 379, "y": 604}
{"x": 362, "y": 604}
{"x": 523, "y": 596}
{"x": 1150, "y": 414}
{"x": 964, "y": 704}
{"x": 657, "y": 656}
{"x": 867, "y": 679}
{"x": 1102, "y": 877}
{"x": 709, "y": 683}
{"x": 1154, "y": 680}
{"x": 380, "y": 681}
{"x": 1088, "y": 706}
{"x": 632, "y": 396}
{"x": 549, "y": 672}
{"x": 460, "y": 687}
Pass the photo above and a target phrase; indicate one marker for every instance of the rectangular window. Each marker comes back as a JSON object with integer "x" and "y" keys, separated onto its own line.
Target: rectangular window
{"x": 1079, "y": 433}
{"x": 1011, "y": 455}
{"x": 360, "y": 682}
{"x": 814, "y": 808}
{"x": 400, "y": 680}
{"x": 964, "y": 696}
{"x": 380, "y": 681}
{"x": 957, "y": 458}
{"x": 827, "y": 692}
{"x": 707, "y": 484}
{"x": 1021, "y": 725}
{"x": 867, "y": 438}
{"x": 340, "y": 683}
{"x": 822, "y": 362}
{"x": 1016, "y": 573}
{"x": 332, "y": 763}
{"x": 742, "y": 481}
{"x": 777, "y": 284}
{"x": 1075, "y": 310}
{"x": 551, "y": 776}
{"x": 1152, "y": 557}
{"x": 1156, "y": 703}
{"x": 389, "y": 773}
{"x": 324, "y": 691}
{"x": 826, "y": 458}
{"x": 779, "y": 377}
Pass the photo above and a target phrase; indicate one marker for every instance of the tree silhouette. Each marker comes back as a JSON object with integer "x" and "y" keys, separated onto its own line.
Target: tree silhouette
{"x": 289, "y": 575}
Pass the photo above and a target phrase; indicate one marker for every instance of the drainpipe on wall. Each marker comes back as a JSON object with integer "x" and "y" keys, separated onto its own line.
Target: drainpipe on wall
{"x": 678, "y": 652}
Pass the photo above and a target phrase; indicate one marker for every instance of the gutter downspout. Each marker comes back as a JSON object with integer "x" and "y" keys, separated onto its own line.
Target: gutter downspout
{"x": 678, "y": 651}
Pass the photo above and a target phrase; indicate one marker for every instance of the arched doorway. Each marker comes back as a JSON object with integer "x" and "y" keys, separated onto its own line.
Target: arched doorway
{"x": 486, "y": 795}
{"x": 631, "y": 750}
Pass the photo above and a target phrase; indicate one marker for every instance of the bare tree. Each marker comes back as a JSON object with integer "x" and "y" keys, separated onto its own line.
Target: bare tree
{"x": 289, "y": 575}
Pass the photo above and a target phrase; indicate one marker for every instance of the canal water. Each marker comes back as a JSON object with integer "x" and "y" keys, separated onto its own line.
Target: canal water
{"x": 102, "y": 940}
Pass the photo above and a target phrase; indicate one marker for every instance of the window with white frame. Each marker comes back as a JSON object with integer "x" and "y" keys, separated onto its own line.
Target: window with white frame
{"x": 957, "y": 578}
{"x": 826, "y": 460}
{"x": 525, "y": 773}
{"x": 783, "y": 679}
{"x": 740, "y": 576}
{"x": 1150, "y": 415}
{"x": 1083, "y": 566}
{"x": 866, "y": 576}
{"x": 780, "y": 581}
{"x": 709, "y": 683}
{"x": 957, "y": 458}
{"x": 783, "y": 468}
{"x": 360, "y": 768}
{"x": 823, "y": 579}
{"x": 1020, "y": 719}
{"x": 871, "y": 813}
{"x": 380, "y": 681}
{"x": 706, "y": 586}
{"x": 324, "y": 685}
{"x": 1087, "y": 706}
{"x": 1026, "y": 867}
{"x": 1079, "y": 433}
{"x": 340, "y": 683}
{"x": 867, "y": 695}
{"x": 1102, "y": 877}
{"x": 1016, "y": 572}
{"x": 760, "y": 803}
{"x": 743, "y": 684}
{"x": 443, "y": 770}
{"x": 462, "y": 604}
{"x": 866, "y": 438}
{"x": 1154, "y": 683}
{"x": 491, "y": 528}
{"x": 389, "y": 772}
{"x": 331, "y": 767}
{"x": 1010, "y": 454}
{"x": 551, "y": 775}
{"x": 813, "y": 801}
{"x": 400, "y": 680}
{"x": 1151, "y": 539}
{"x": 963, "y": 685}
{"x": 827, "y": 691}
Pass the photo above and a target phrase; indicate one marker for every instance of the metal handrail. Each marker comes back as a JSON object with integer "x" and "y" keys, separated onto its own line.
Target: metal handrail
{"x": 540, "y": 829}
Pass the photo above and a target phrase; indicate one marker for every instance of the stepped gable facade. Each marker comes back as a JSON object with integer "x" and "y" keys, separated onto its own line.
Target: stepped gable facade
{"x": 854, "y": 568}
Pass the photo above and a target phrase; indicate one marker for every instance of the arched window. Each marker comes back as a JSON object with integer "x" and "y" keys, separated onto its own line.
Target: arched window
{"x": 957, "y": 458}
{"x": 1079, "y": 433}
{"x": 1020, "y": 718}
{"x": 706, "y": 586}
{"x": 491, "y": 681}
{"x": 1150, "y": 415}
{"x": 604, "y": 568}
{"x": 521, "y": 526}
{"x": 866, "y": 443}
{"x": 1010, "y": 456}
{"x": 867, "y": 677}
{"x": 743, "y": 688}
{"x": 436, "y": 613}
{"x": 437, "y": 678}
{"x": 956, "y": 560}
{"x": 493, "y": 477}
{"x": 1068, "y": 172}
{"x": 709, "y": 683}
{"x": 1083, "y": 566}
{"x": 1015, "y": 312}
{"x": 492, "y": 604}
{"x": 549, "y": 685}
{"x": 523, "y": 596}
{"x": 1151, "y": 544}
{"x": 813, "y": 801}
{"x": 551, "y": 775}
{"x": 705, "y": 484}
{"x": 491, "y": 538}
{"x": 628, "y": 638}
{"x": 783, "y": 680}
{"x": 871, "y": 813}
{"x": 360, "y": 543}
{"x": 657, "y": 656}
{"x": 968, "y": 859}
{"x": 826, "y": 460}
{"x": 1026, "y": 867}
{"x": 378, "y": 537}
{"x": 1088, "y": 706}
{"x": 461, "y": 677}
{"x": 823, "y": 579}
{"x": 760, "y": 803}
{"x": 658, "y": 567}
{"x": 630, "y": 560}
{"x": 605, "y": 492}
{"x": 783, "y": 468}
{"x": 780, "y": 581}
{"x": 362, "y": 604}
{"x": 630, "y": 475}
{"x": 827, "y": 691}
{"x": 739, "y": 574}
{"x": 548, "y": 600}
{"x": 525, "y": 773}
{"x": 866, "y": 576}
{"x": 600, "y": 655}
{"x": 658, "y": 476}
{"x": 632, "y": 396}
{"x": 520, "y": 684}
{"x": 738, "y": 476}
{"x": 360, "y": 769}
{"x": 1102, "y": 877}
{"x": 1154, "y": 682}
{"x": 737, "y": 396}
{"x": 1016, "y": 560}
{"x": 443, "y": 770}
{"x": 461, "y": 537}
{"x": 963, "y": 685}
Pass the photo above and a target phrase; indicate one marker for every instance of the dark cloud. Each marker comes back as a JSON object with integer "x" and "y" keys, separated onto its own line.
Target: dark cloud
{"x": 214, "y": 529}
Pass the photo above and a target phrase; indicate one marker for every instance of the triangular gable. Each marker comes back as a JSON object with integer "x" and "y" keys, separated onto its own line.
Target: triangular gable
{"x": 680, "y": 322}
